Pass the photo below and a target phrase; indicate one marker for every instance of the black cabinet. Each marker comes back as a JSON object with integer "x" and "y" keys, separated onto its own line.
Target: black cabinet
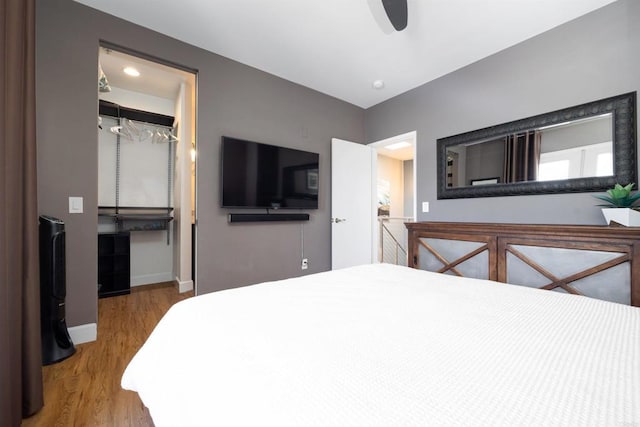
{"x": 114, "y": 272}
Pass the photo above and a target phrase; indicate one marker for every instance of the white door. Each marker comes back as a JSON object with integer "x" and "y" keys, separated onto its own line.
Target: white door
{"x": 352, "y": 204}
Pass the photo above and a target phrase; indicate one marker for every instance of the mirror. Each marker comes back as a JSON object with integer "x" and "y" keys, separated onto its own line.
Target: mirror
{"x": 584, "y": 148}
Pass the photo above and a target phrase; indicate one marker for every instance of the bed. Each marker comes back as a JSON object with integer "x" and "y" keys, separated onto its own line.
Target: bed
{"x": 384, "y": 345}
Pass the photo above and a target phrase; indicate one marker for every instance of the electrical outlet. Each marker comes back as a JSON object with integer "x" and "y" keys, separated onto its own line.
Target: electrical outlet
{"x": 305, "y": 264}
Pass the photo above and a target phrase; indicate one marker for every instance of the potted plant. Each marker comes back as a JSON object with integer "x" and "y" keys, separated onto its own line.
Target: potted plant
{"x": 621, "y": 205}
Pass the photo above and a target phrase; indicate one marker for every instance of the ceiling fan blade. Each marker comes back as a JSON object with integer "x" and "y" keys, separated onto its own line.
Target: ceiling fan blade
{"x": 397, "y": 12}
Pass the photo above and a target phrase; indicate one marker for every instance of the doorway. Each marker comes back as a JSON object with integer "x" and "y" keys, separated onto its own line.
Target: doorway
{"x": 395, "y": 195}
{"x": 147, "y": 165}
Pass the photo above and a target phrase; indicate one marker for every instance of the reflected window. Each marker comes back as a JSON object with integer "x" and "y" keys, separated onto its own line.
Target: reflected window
{"x": 604, "y": 164}
{"x": 578, "y": 162}
{"x": 553, "y": 169}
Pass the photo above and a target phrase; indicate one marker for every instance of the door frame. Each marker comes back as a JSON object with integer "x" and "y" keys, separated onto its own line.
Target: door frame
{"x": 188, "y": 285}
{"x": 408, "y": 136}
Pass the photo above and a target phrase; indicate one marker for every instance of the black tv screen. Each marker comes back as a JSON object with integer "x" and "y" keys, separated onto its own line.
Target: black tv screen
{"x": 256, "y": 175}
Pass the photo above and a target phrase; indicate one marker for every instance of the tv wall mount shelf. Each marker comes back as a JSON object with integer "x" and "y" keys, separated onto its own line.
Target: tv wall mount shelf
{"x": 138, "y": 218}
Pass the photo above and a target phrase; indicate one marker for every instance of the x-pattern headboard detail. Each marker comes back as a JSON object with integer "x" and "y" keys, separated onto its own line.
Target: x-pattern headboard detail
{"x": 596, "y": 261}
{"x": 564, "y": 282}
{"x": 451, "y": 265}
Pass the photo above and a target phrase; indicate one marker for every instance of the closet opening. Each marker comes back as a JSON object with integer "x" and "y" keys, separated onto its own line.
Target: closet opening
{"x": 146, "y": 173}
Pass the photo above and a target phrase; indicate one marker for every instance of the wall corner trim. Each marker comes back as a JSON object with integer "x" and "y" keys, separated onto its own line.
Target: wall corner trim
{"x": 185, "y": 286}
{"x": 83, "y": 333}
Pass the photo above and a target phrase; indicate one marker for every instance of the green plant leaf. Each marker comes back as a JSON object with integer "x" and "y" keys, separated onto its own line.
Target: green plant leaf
{"x": 634, "y": 198}
{"x": 605, "y": 198}
{"x": 620, "y": 196}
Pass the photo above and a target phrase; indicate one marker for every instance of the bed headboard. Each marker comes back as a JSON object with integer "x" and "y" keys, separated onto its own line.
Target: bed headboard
{"x": 596, "y": 261}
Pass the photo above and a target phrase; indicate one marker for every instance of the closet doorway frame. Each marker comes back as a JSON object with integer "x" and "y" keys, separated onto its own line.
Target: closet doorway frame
{"x": 194, "y": 145}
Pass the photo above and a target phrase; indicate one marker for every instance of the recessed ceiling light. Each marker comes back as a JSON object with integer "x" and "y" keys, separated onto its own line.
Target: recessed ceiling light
{"x": 397, "y": 145}
{"x": 130, "y": 71}
{"x": 377, "y": 84}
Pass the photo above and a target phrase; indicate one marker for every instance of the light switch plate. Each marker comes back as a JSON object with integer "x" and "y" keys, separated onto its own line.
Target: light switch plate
{"x": 425, "y": 206}
{"x": 75, "y": 205}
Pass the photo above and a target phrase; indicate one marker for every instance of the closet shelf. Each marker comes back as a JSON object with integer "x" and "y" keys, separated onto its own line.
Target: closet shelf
{"x": 135, "y": 208}
{"x": 138, "y": 218}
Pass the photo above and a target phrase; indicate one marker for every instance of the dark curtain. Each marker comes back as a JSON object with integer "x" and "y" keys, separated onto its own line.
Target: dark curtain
{"x": 522, "y": 156}
{"x": 20, "y": 354}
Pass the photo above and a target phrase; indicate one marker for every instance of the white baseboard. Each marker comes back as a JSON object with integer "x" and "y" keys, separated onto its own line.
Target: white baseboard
{"x": 83, "y": 333}
{"x": 146, "y": 279}
{"x": 185, "y": 286}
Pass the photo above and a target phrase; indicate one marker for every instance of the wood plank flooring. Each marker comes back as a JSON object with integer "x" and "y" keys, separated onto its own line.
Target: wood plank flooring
{"x": 84, "y": 390}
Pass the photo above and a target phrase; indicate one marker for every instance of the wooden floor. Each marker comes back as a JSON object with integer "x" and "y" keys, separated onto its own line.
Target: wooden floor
{"x": 84, "y": 390}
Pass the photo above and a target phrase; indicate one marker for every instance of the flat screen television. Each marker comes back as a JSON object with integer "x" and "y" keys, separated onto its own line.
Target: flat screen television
{"x": 256, "y": 175}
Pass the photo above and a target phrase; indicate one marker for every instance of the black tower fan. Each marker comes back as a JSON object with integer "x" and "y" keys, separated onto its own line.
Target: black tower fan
{"x": 56, "y": 342}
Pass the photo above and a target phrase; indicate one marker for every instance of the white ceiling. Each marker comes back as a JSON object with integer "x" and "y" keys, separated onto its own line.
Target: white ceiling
{"x": 337, "y": 46}
{"x": 404, "y": 153}
{"x": 155, "y": 79}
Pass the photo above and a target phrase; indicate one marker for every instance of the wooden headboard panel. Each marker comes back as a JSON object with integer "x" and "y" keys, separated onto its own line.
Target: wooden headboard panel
{"x": 596, "y": 261}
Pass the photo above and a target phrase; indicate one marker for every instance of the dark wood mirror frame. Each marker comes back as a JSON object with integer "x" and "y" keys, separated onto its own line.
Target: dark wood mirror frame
{"x": 623, "y": 109}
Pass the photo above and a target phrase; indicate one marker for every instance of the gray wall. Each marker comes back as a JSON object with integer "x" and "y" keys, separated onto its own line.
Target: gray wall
{"x": 233, "y": 99}
{"x": 593, "y": 57}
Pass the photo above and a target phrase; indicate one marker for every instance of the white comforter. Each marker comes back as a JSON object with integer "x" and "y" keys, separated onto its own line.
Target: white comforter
{"x": 381, "y": 345}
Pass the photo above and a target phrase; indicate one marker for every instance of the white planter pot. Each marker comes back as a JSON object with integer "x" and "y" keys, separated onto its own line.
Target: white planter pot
{"x": 624, "y": 216}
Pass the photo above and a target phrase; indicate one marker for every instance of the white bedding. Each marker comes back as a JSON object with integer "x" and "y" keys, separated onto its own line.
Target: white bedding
{"x": 381, "y": 345}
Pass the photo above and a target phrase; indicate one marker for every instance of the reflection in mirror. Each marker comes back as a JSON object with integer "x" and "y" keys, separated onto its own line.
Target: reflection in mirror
{"x": 588, "y": 147}
{"x": 578, "y": 149}
{"x": 575, "y": 149}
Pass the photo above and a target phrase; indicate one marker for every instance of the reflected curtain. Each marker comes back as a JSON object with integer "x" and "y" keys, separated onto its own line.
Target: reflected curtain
{"x": 522, "y": 156}
{"x": 20, "y": 357}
